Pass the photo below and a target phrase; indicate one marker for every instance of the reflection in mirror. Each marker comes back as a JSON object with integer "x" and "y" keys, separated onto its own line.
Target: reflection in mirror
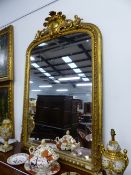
{"x": 61, "y": 90}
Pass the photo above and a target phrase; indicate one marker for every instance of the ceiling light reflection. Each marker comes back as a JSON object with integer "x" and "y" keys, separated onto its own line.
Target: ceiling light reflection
{"x": 84, "y": 84}
{"x": 35, "y": 65}
{"x": 66, "y": 59}
{"x": 45, "y": 86}
{"x": 85, "y": 79}
{"x": 61, "y": 90}
{"x": 68, "y": 78}
{"x": 77, "y": 70}
{"x": 72, "y": 65}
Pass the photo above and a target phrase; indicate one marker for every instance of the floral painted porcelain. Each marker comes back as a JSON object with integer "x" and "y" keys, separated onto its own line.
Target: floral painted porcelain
{"x": 114, "y": 162}
{"x": 41, "y": 157}
{"x": 67, "y": 142}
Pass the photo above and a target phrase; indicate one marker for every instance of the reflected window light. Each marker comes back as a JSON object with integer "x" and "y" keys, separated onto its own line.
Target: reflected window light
{"x": 35, "y": 65}
{"x": 36, "y": 90}
{"x": 42, "y": 44}
{"x": 87, "y": 40}
{"x": 69, "y": 78}
{"x": 47, "y": 74}
{"x": 81, "y": 75}
{"x": 41, "y": 70}
{"x": 45, "y": 86}
{"x": 32, "y": 58}
{"x": 84, "y": 84}
{"x": 77, "y": 70}
{"x": 61, "y": 90}
{"x": 66, "y": 59}
{"x": 72, "y": 65}
{"x": 85, "y": 79}
{"x": 31, "y": 82}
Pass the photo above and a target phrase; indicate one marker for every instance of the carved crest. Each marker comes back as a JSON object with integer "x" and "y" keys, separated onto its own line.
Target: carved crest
{"x": 57, "y": 23}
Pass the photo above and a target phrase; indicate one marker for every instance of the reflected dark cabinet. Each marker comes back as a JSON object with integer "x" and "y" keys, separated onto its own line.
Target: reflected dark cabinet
{"x": 54, "y": 116}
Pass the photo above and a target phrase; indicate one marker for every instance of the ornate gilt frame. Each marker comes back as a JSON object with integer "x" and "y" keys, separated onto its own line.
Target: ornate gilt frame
{"x": 9, "y": 31}
{"x": 10, "y": 86}
{"x": 57, "y": 25}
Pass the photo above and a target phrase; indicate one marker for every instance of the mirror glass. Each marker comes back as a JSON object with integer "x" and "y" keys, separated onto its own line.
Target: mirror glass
{"x": 60, "y": 96}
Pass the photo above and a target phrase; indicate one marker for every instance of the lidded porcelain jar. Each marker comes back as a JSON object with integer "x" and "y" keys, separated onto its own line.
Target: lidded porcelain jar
{"x": 41, "y": 157}
{"x": 67, "y": 142}
{"x": 114, "y": 161}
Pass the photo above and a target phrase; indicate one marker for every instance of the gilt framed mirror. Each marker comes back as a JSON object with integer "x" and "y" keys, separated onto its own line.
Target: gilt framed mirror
{"x": 63, "y": 89}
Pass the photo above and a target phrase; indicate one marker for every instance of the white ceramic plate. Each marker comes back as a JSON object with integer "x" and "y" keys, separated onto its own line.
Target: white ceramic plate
{"x": 17, "y": 159}
{"x": 53, "y": 169}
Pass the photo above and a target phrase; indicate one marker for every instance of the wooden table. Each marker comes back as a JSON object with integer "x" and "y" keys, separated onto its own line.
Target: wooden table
{"x": 6, "y": 169}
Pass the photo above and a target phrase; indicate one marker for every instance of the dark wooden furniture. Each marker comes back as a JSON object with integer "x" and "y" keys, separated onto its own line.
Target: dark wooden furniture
{"x": 6, "y": 169}
{"x": 54, "y": 116}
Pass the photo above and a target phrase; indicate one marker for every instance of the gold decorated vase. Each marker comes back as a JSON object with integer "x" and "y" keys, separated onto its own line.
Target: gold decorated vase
{"x": 114, "y": 161}
{"x": 6, "y": 131}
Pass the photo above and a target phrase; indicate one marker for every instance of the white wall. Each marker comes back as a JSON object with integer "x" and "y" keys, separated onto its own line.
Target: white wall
{"x": 114, "y": 20}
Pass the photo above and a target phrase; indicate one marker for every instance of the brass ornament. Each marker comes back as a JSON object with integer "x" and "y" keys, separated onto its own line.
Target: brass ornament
{"x": 57, "y": 23}
{"x": 6, "y": 131}
{"x": 114, "y": 161}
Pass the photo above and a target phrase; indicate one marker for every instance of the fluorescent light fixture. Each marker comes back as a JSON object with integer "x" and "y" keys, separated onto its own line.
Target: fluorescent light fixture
{"x": 45, "y": 86}
{"x": 61, "y": 90}
{"x": 72, "y": 65}
{"x": 35, "y": 65}
{"x": 66, "y": 59}
{"x": 85, "y": 79}
{"x": 77, "y": 70}
{"x": 31, "y": 82}
{"x": 47, "y": 74}
{"x": 84, "y": 84}
{"x": 81, "y": 75}
{"x": 36, "y": 90}
{"x": 68, "y": 78}
{"x": 56, "y": 81}
{"x": 41, "y": 70}
{"x": 42, "y": 44}
{"x": 51, "y": 77}
{"x": 32, "y": 58}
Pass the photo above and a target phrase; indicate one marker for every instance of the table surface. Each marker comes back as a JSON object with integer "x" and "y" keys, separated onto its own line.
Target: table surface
{"x": 6, "y": 169}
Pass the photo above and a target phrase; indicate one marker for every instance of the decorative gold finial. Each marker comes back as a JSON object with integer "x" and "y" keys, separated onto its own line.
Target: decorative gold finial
{"x": 57, "y": 23}
{"x": 113, "y": 134}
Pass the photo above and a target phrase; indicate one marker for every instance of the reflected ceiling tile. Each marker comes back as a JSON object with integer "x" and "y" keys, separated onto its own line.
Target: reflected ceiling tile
{"x": 36, "y": 90}
{"x": 61, "y": 90}
{"x": 42, "y": 44}
{"x": 35, "y": 65}
{"x": 85, "y": 79}
{"x": 69, "y": 78}
{"x": 77, "y": 70}
{"x": 32, "y": 58}
{"x": 56, "y": 81}
{"x": 41, "y": 70}
{"x": 67, "y": 59}
{"x": 81, "y": 75}
{"x": 72, "y": 65}
{"x": 45, "y": 86}
{"x": 52, "y": 77}
{"x": 47, "y": 74}
{"x": 84, "y": 84}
